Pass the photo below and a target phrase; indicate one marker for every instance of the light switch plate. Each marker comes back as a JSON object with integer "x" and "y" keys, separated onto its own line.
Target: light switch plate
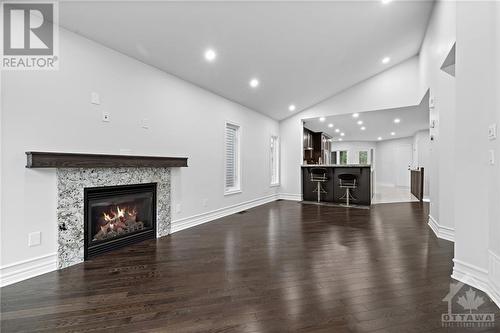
{"x": 492, "y": 131}
{"x": 492, "y": 157}
{"x": 34, "y": 238}
{"x": 106, "y": 117}
{"x": 94, "y": 98}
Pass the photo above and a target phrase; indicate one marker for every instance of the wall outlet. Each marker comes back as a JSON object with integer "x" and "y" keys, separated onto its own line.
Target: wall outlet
{"x": 34, "y": 238}
{"x": 145, "y": 123}
{"x": 492, "y": 131}
{"x": 106, "y": 117}
{"x": 178, "y": 208}
{"x": 492, "y": 157}
{"x": 204, "y": 202}
{"x": 94, "y": 98}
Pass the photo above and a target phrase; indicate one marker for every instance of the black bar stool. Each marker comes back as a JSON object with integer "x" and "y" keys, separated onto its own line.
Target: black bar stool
{"x": 319, "y": 175}
{"x": 349, "y": 182}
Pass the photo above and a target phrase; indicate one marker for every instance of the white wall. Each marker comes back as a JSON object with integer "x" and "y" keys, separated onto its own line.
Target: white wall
{"x": 51, "y": 111}
{"x": 439, "y": 38}
{"x": 393, "y": 88}
{"x": 353, "y": 148}
{"x": 387, "y": 158}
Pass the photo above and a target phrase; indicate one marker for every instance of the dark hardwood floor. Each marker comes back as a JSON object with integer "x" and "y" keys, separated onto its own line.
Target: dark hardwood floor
{"x": 281, "y": 267}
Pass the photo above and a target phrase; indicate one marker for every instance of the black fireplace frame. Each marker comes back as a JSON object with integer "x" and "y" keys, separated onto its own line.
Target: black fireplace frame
{"x": 121, "y": 241}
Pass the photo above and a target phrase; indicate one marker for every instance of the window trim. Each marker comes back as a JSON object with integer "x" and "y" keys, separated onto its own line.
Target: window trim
{"x": 277, "y": 155}
{"x": 236, "y": 189}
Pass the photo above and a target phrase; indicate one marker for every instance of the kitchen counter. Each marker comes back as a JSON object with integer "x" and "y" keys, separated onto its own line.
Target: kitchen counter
{"x": 363, "y": 193}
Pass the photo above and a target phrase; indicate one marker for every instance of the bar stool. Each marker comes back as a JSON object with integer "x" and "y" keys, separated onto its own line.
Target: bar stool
{"x": 319, "y": 175}
{"x": 349, "y": 182}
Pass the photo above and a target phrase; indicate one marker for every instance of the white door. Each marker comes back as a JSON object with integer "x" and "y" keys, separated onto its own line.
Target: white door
{"x": 402, "y": 161}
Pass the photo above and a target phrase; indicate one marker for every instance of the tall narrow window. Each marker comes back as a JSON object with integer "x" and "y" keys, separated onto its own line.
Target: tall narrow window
{"x": 363, "y": 157}
{"x": 275, "y": 158}
{"x": 343, "y": 157}
{"x": 232, "y": 167}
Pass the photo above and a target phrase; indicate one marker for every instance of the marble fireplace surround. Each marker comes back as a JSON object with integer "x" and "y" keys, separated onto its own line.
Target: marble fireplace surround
{"x": 78, "y": 171}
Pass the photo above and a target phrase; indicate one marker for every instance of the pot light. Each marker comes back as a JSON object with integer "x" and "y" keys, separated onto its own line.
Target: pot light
{"x": 330, "y": 125}
{"x": 254, "y": 83}
{"x": 386, "y": 60}
{"x": 337, "y": 130}
{"x": 340, "y": 139}
{"x": 379, "y": 138}
{"x": 363, "y": 128}
{"x": 322, "y": 119}
{"x": 210, "y": 55}
{"x": 393, "y": 133}
{"x": 385, "y": 2}
{"x": 355, "y": 115}
{"x": 397, "y": 121}
{"x": 342, "y": 134}
{"x": 360, "y": 122}
{"x": 291, "y": 107}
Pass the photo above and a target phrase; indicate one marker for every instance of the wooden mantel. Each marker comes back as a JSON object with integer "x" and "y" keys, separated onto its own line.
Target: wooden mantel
{"x": 37, "y": 159}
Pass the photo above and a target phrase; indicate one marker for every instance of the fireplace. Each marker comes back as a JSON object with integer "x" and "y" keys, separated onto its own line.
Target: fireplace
{"x": 116, "y": 216}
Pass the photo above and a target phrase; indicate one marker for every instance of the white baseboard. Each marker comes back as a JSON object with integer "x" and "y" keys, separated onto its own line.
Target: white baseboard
{"x": 476, "y": 277}
{"x": 26, "y": 269}
{"x": 441, "y": 231}
{"x": 195, "y": 220}
{"x": 426, "y": 199}
{"x": 494, "y": 276}
{"x": 290, "y": 196}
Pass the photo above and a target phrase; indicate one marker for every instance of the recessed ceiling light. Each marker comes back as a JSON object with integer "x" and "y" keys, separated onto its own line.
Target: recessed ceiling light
{"x": 379, "y": 138}
{"x": 340, "y": 139}
{"x": 291, "y": 107}
{"x": 393, "y": 133}
{"x": 397, "y": 121}
{"x": 254, "y": 83}
{"x": 342, "y": 134}
{"x": 385, "y": 2}
{"x": 330, "y": 125}
{"x": 322, "y": 119}
{"x": 210, "y": 55}
{"x": 360, "y": 122}
{"x": 386, "y": 60}
{"x": 337, "y": 130}
{"x": 355, "y": 115}
{"x": 363, "y": 128}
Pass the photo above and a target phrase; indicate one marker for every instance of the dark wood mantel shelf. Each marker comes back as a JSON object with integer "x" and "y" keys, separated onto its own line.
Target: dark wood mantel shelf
{"x": 74, "y": 160}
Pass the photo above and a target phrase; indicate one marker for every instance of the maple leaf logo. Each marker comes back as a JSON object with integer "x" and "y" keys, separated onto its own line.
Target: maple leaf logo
{"x": 470, "y": 301}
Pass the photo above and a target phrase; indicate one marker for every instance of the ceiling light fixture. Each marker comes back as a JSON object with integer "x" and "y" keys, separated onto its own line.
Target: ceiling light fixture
{"x": 393, "y": 133}
{"x": 386, "y": 60}
{"x": 363, "y": 128}
{"x": 379, "y": 138}
{"x": 360, "y": 122}
{"x": 340, "y": 139}
{"x": 291, "y": 107}
{"x": 337, "y": 130}
{"x": 210, "y": 55}
{"x": 322, "y": 119}
{"x": 355, "y": 115}
{"x": 342, "y": 134}
{"x": 397, "y": 121}
{"x": 385, "y": 2}
{"x": 330, "y": 125}
{"x": 254, "y": 83}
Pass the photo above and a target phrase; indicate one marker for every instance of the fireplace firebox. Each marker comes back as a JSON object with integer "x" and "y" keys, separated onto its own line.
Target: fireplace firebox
{"x": 116, "y": 216}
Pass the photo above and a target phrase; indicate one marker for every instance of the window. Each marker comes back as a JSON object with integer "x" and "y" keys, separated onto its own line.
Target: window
{"x": 343, "y": 157}
{"x": 363, "y": 157}
{"x": 232, "y": 165}
{"x": 334, "y": 157}
{"x": 275, "y": 158}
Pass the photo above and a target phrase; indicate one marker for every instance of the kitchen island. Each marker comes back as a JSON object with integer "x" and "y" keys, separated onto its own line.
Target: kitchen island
{"x": 363, "y": 193}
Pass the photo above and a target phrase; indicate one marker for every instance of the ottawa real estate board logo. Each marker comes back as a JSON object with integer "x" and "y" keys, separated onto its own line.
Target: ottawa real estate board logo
{"x": 30, "y": 36}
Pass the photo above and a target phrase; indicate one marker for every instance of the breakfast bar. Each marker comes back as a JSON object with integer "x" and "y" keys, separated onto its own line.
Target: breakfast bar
{"x": 331, "y": 188}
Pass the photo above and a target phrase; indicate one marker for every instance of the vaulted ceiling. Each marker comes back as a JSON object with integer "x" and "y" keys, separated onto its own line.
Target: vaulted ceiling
{"x": 301, "y": 52}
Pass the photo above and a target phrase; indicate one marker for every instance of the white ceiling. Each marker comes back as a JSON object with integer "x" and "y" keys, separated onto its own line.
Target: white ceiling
{"x": 378, "y": 124}
{"x": 302, "y": 52}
